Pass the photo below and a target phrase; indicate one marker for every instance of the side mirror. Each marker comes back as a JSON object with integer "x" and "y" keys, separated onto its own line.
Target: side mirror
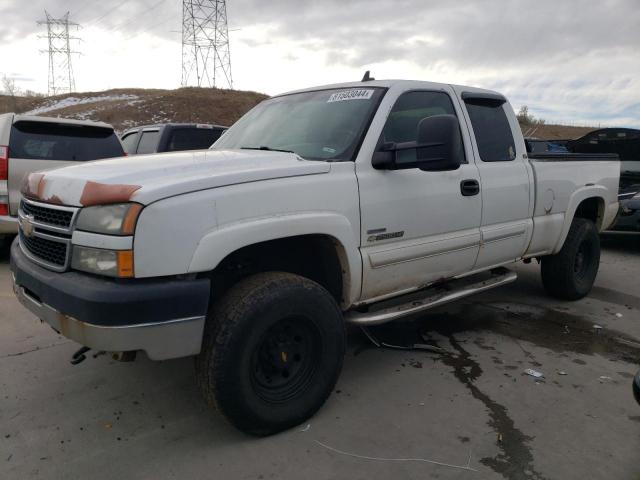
{"x": 438, "y": 147}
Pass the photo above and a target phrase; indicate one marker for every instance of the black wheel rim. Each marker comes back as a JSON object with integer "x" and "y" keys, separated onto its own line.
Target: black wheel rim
{"x": 284, "y": 360}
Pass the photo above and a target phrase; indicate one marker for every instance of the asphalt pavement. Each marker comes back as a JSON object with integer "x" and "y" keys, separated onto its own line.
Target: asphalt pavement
{"x": 465, "y": 409}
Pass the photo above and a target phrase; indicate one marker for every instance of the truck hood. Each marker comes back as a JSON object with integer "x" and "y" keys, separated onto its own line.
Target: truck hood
{"x": 147, "y": 178}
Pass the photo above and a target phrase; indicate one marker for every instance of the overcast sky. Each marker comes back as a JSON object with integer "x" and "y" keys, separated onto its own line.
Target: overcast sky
{"x": 571, "y": 61}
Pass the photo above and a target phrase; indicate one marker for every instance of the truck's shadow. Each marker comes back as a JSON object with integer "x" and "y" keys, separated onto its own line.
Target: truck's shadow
{"x": 5, "y": 247}
{"x": 623, "y": 242}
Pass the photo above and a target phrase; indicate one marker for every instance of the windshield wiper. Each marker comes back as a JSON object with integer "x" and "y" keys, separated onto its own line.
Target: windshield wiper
{"x": 269, "y": 149}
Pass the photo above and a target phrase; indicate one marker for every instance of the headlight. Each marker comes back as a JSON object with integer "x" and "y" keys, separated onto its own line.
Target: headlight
{"x": 113, "y": 263}
{"x": 117, "y": 219}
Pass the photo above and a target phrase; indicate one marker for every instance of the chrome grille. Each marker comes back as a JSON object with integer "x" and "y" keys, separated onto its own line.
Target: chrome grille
{"x": 48, "y": 251}
{"x": 47, "y": 215}
{"x": 45, "y": 233}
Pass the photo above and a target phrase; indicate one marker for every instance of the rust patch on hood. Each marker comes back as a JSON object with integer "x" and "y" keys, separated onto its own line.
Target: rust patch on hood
{"x": 33, "y": 185}
{"x": 33, "y": 188}
{"x": 95, "y": 193}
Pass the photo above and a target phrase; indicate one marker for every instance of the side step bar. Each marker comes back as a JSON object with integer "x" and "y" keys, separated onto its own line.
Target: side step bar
{"x": 431, "y": 297}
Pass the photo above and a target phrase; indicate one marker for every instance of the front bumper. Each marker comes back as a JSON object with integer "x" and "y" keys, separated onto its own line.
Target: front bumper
{"x": 165, "y": 317}
{"x": 8, "y": 225}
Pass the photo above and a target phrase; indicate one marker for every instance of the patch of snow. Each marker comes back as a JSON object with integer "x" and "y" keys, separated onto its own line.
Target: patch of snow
{"x": 72, "y": 101}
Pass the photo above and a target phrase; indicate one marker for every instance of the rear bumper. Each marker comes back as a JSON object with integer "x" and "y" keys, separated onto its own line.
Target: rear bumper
{"x": 165, "y": 317}
{"x": 8, "y": 225}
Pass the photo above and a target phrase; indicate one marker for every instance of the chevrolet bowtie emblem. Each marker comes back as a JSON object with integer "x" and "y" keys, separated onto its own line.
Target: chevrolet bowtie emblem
{"x": 26, "y": 225}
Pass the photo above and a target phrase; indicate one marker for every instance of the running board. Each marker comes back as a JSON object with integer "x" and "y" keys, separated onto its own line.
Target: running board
{"x": 432, "y": 297}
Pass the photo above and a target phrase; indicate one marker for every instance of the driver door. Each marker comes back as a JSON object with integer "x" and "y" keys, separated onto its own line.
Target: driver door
{"x": 417, "y": 227}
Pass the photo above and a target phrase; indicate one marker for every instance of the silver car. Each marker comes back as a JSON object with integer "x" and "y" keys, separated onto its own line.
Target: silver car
{"x": 30, "y": 143}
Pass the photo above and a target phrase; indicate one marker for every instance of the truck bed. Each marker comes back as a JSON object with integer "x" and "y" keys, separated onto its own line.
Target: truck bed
{"x": 561, "y": 179}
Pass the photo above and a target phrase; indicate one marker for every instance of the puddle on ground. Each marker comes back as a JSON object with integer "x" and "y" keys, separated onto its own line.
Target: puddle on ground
{"x": 515, "y": 458}
{"x": 555, "y": 330}
{"x": 559, "y": 331}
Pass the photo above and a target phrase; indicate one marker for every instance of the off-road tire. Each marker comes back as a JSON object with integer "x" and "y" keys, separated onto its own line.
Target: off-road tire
{"x": 262, "y": 313}
{"x": 570, "y": 274}
{"x": 636, "y": 387}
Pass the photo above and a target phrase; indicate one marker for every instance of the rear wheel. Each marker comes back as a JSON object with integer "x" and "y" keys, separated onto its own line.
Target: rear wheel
{"x": 570, "y": 274}
{"x": 272, "y": 352}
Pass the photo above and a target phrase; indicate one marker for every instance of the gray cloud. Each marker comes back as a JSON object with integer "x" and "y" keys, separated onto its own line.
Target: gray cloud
{"x": 574, "y": 59}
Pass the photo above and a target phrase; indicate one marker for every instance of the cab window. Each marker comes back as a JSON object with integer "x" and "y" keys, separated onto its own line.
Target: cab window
{"x": 492, "y": 131}
{"x": 406, "y": 114}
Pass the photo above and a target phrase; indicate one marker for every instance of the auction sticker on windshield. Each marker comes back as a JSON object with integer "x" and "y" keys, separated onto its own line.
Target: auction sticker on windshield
{"x": 353, "y": 94}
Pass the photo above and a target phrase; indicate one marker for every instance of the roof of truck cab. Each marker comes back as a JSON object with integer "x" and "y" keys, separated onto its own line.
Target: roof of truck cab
{"x": 67, "y": 121}
{"x": 408, "y": 84}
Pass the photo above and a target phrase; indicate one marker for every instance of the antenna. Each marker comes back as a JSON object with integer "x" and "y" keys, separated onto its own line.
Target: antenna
{"x": 61, "y": 78}
{"x": 367, "y": 77}
{"x": 206, "y": 60}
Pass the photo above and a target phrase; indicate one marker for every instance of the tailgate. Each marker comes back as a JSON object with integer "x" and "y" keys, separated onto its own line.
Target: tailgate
{"x": 20, "y": 168}
{"x": 39, "y": 145}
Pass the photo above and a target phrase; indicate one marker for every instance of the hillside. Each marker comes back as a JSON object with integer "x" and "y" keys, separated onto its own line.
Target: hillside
{"x": 555, "y": 132}
{"x": 125, "y": 108}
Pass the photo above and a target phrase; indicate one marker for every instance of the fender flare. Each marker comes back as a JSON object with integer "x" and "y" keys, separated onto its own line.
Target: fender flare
{"x": 219, "y": 243}
{"x": 579, "y": 196}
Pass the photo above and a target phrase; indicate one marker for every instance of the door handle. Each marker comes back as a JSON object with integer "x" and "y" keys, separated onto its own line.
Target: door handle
{"x": 469, "y": 188}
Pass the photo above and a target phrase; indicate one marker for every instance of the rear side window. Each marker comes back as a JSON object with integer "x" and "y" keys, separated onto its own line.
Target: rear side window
{"x": 149, "y": 141}
{"x": 55, "y": 141}
{"x": 192, "y": 138}
{"x": 492, "y": 131}
{"x": 129, "y": 142}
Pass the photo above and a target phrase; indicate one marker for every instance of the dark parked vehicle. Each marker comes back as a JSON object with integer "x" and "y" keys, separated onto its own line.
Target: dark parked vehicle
{"x": 170, "y": 137}
{"x": 636, "y": 387}
{"x": 629, "y": 215}
{"x": 625, "y": 142}
{"x": 535, "y": 145}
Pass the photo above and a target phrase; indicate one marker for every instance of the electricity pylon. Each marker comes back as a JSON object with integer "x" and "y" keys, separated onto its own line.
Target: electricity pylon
{"x": 206, "y": 60}
{"x": 61, "y": 78}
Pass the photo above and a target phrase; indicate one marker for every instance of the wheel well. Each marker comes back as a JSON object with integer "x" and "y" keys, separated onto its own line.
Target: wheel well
{"x": 317, "y": 257}
{"x": 591, "y": 209}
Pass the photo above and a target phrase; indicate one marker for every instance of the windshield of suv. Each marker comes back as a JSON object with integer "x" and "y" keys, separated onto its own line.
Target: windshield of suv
{"x": 319, "y": 125}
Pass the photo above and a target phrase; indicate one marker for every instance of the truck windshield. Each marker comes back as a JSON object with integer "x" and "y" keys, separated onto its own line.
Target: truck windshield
{"x": 319, "y": 125}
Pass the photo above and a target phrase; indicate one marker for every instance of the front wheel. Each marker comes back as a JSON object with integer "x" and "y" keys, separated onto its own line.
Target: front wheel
{"x": 272, "y": 352}
{"x": 570, "y": 274}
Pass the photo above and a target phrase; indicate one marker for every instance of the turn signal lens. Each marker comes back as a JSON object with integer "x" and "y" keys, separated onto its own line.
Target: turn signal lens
{"x": 130, "y": 219}
{"x": 125, "y": 263}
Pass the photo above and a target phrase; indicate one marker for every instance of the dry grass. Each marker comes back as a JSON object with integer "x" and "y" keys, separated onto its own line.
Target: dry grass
{"x": 556, "y": 132}
{"x": 201, "y": 105}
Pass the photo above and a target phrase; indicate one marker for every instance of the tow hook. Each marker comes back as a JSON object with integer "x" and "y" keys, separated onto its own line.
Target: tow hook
{"x": 79, "y": 356}
{"x": 124, "y": 356}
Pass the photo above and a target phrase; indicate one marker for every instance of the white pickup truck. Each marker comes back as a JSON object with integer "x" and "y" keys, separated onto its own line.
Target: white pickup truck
{"x": 318, "y": 207}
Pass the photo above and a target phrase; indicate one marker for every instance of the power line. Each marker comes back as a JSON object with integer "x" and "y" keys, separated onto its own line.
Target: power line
{"x": 152, "y": 27}
{"x": 109, "y": 12}
{"x": 60, "y": 76}
{"x": 135, "y": 18}
{"x": 206, "y": 59}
